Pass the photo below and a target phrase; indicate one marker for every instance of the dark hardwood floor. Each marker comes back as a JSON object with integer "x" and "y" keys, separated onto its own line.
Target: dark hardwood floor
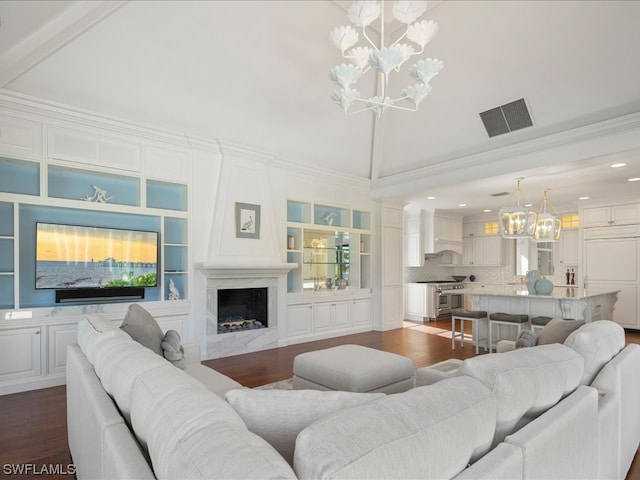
{"x": 33, "y": 432}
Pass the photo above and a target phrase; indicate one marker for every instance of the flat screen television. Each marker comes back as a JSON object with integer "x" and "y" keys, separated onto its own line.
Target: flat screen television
{"x": 79, "y": 257}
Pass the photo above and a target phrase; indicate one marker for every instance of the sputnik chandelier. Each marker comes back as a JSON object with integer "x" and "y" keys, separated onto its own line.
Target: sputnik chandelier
{"x": 381, "y": 58}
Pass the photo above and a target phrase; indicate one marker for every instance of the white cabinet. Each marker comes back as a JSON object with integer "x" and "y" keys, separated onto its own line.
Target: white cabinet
{"x": 482, "y": 250}
{"x": 568, "y": 247}
{"x": 360, "y": 313}
{"x": 299, "y": 320}
{"x": 473, "y": 229}
{"x": 328, "y": 316}
{"x": 415, "y": 306}
{"x": 58, "y": 338}
{"x": 493, "y": 250}
{"x": 413, "y": 254}
{"x": 20, "y": 136}
{"x": 430, "y": 232}
{"x": 613, "y": 215}
{"x": 20, "y": 353}
{"x": 612, "y": 264}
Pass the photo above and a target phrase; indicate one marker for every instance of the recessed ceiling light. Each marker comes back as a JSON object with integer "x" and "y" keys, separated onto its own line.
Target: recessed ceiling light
{"x": 634, "y": 179}
{"x": 486, "y": 210}
{"x": 462, "y": 204}
{"x": 618, "y": 165}
{"x": 431, "y": 198}
{"x": 528, "y": 205}
{"x": 583, "y": 198}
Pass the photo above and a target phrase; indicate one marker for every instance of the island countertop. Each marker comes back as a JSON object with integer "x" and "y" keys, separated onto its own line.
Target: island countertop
{"x": 564, "y": 302}
{"x": 559, "y": 293}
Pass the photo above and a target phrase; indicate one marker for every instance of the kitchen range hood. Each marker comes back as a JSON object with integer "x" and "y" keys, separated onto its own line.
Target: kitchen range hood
{"x": 442, "y": 232}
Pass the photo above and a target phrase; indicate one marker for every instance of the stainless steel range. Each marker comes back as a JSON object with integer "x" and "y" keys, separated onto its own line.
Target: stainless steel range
{"x": 442, "y": 298}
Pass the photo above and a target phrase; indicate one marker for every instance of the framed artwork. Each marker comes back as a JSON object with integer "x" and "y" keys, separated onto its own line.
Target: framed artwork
{"x": 247, "y": 220}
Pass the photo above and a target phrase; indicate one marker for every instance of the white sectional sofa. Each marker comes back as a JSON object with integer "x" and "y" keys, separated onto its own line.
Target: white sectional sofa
{"x": 520, "y": 415}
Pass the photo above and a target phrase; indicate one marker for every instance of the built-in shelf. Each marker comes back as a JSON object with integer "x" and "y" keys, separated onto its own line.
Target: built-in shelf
{"x": 167, "y": 196}
{"x": 19, "y": 176}
{"x": 122, "y": 205}
{"x": 89, "y": 186}
{"x": 333, "y": 245}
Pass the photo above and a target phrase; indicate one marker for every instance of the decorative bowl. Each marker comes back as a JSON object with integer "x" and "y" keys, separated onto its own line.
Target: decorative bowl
{"x": 459, "y": 278}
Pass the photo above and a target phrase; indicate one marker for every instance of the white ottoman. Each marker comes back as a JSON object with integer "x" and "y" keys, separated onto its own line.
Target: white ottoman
{"x": 352, "y": 368}
{"x": 436, "y": 372}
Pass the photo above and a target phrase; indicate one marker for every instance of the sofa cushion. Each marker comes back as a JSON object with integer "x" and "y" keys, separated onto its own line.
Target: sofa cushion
{"x": 526, "y": 339}
{"x": 427, "y": 432}
{"x": 597, "y": 342}
{"x": 192, "y": 433}
{"x": 94, "y": 329}
{"x": 213, "y": 381}
{"x": 526, "y": 382}
{"x": 279, "y": 415}
{"x": 118, "y": 365}
{"x": 143, "y": 328}
{"x": 557, "y": 331}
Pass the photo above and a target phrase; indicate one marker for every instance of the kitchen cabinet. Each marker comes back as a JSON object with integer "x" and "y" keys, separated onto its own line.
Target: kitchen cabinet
{"x": 613, "y": 215}
{"x": 483, "y": 250}
{"x": 612, "y": 264}
{"x": 413, "y": 254}
{"x": 429, "y": 231}
{"x": 568, "y": 246}
{"x": 415, "y": 307}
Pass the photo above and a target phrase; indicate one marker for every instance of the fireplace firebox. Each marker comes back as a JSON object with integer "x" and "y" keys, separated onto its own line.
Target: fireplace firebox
{"x": 242, "y": 309}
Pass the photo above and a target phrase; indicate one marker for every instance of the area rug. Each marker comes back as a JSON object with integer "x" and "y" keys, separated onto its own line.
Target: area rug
{"x": 286, "y": 384}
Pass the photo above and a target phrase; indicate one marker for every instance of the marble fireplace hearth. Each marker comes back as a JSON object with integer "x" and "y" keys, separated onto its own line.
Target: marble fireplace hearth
{"x": 271, "y": 277}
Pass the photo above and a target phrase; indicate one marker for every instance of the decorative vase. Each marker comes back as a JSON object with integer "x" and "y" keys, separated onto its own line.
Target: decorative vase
{"x": 544, "y": 287}
{"x": 532, "y": 277}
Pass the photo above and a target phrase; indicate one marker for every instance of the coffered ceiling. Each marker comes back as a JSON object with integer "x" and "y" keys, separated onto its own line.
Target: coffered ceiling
{"x": 255, "y": 73}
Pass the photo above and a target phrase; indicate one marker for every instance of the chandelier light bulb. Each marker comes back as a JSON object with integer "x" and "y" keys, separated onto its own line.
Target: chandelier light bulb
{"x": 381, "y": 58}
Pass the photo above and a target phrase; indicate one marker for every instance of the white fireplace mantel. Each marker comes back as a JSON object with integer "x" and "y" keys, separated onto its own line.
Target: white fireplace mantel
{"x": 216, "y": 270}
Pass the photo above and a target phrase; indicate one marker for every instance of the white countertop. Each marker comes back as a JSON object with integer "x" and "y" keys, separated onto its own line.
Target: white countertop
{"x": 564, "y": 293}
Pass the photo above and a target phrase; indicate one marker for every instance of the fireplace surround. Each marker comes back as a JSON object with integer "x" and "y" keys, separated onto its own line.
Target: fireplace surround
{"x": 269, "y": 279}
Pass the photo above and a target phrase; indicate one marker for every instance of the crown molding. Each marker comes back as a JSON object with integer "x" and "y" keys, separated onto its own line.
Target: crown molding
{"x": 523, "y": 155}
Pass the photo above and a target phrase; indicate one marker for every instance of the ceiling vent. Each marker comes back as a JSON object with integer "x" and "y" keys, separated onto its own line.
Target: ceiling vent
{"x": 499, "y": 194}
{"x": 506, "y": 118}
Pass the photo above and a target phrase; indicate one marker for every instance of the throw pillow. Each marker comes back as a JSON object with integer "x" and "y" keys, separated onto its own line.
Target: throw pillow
{"x": 279, "y": 415}
{"x": 557, "y": 331}
{"x": 172, "y": 349}
{"x": 526, "y": 339}
{"x": 143, "y": 328}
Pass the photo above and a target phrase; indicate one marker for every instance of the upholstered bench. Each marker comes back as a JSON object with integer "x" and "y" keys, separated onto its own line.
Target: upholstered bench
{"x": 436, "y": 372}
{"x": 352, "y": 368}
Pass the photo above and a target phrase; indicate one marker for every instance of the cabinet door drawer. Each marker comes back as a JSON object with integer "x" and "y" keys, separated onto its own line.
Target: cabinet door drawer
{"x": 20, "y": 136}
{"x": 19, "y": 353}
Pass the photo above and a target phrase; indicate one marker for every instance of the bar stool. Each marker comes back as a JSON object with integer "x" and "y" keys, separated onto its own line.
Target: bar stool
{"x": 474, "y": 316}
{"x": 505, "y": 319}
{"x": 538, "y": 323}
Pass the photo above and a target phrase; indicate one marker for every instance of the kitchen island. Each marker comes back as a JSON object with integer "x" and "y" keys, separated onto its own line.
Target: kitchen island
{"x": 563, "y": 302}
